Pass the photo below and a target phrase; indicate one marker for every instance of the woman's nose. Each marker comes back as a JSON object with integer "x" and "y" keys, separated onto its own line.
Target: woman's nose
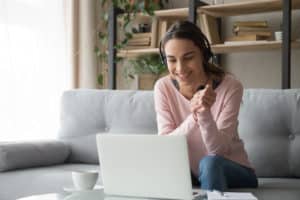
{"x": 179, "y": 66}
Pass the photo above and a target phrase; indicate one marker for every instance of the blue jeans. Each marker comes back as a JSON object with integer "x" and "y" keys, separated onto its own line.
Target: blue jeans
{"x": 218, "y": 173}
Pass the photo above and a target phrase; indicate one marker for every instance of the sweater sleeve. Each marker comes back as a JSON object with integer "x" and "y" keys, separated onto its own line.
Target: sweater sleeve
{"x": 165, "y": 118}
{"x": 218, "y": 135}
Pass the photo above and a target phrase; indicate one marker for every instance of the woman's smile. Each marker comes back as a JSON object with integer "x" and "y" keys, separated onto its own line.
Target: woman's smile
{"x": 183, "y": 76}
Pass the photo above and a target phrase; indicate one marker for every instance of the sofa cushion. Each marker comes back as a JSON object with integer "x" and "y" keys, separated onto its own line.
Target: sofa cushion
{"x": 275, "y": 189}
{"x": 83, "y": 149}
{"x": 270, "y": 127}
{"x": 87, "y": 112}
{"x": 32, "y": 154}
{"x": 90, "y": 111}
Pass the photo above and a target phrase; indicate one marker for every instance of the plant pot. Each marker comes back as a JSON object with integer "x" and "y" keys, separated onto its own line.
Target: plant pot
{"x": 147, "y": 81}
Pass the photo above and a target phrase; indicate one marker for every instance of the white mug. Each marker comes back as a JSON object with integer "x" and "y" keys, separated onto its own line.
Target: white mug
{"x": 278, "y": 35}
{"x": 84, "y": 180}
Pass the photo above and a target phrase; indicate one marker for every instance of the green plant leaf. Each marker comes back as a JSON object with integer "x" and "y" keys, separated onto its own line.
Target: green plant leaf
{"x": 103, "y": 2}
{"x": 145, "y": 64}
{"x": 100, "y": 79}
{"x": 128, "y": 35}
{"x": 96, "y": 49}
{"x": 131, "y": 76}
{"x": 119, "y": 59}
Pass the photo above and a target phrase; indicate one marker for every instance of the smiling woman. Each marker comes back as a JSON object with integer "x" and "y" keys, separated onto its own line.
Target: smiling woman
{"x": 33, "y": 68}
{"x": 202, "y": 102}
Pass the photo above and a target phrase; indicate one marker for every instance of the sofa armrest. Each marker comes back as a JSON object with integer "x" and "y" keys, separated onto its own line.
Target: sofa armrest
{"x": 32, "y": 154}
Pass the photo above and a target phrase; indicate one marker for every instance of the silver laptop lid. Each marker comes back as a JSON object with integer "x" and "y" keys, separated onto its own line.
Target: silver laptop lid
{"x": 145, "y": 166}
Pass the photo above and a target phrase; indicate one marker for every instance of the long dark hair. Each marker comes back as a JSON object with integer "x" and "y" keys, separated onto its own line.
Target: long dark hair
{"x": 190, "y": 31}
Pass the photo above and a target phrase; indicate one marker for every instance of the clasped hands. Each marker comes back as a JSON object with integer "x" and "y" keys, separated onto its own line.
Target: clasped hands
{"x": 203, "y": 100}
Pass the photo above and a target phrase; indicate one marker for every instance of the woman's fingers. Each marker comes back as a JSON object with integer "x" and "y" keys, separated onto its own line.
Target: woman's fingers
{"x": 203, "y": 99}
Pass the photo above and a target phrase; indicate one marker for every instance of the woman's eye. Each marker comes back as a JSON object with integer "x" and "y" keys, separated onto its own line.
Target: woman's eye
{"x": 189, "y": 57}
{"x": 171, "y": 61}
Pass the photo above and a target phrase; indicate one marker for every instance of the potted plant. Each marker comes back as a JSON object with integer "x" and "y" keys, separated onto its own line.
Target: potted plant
{"x": 130, "y": 8}
{"x": 147, "y": 68}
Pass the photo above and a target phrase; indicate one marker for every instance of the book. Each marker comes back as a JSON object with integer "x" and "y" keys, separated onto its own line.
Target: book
{"x": 139, "y": 44}
{"x": 247, "y": 37}
{"x": 246, "y": 42}
{"x": 251, "y": 23}
{"x": 250, "y": 29}
{"x": 259, "y": 33}
{"x": 141, "y": 35}
{"x": 209, "y": 27}
{"x": 140, "y": 38}
{"x": 163, "y": 28}
{"x": 154, "y": 32}
{"x": 146, "y": 39}
{"x": 130, "y": 47}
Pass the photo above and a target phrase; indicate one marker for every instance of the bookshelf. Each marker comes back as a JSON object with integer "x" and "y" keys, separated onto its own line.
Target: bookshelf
{"x": 229, "y": 9}
{"x": 262, "y": 6}
{"x": 198, "y": 8}
{"x": 245, "y": 7}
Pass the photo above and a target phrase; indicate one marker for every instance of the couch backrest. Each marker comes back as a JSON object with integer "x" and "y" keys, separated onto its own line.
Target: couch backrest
{"x": 86, "y": 112}
{"x": 269, "y": 124}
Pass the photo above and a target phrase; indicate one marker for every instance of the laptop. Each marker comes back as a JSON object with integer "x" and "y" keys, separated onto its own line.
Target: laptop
{"x": 147, "y": 166}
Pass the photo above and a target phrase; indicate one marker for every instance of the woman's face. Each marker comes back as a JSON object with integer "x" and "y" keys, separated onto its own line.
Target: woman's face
{"x": 184, "y": 61}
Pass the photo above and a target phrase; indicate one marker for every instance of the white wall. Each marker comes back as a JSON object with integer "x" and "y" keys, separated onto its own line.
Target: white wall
{"x": 261, "y": 69}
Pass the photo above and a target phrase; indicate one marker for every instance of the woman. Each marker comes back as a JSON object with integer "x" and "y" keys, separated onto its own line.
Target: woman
{"x": 201, "y": 101}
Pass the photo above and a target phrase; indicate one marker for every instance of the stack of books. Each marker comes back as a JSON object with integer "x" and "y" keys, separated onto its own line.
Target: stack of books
{"x": 250, "y": 31}
{"x": 139, "y": 40}
{"x": 209, "y": 26}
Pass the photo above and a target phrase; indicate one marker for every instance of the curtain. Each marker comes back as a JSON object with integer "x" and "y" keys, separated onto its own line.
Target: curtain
{"x": 34, "y": 68}
{"x": 81, "y": 26}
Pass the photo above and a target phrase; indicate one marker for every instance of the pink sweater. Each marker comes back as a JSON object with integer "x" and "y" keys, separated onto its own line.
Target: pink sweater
{"x": 215, "y": 133}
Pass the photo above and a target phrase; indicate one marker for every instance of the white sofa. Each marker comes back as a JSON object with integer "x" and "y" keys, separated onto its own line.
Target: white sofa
{"x": 269, "y": 124}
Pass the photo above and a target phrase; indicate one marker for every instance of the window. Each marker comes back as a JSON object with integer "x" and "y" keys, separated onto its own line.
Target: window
{"x": 33, "y": 68}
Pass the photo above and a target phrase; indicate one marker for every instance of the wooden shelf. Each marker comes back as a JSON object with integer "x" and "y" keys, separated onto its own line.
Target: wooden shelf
{"x": 245, "y": 7}
{"x": 168, "y": 13}
{"x": 172, "y": 13}
{"x": 136, "y": 52}
{"x": 226, "y": 9}
{"x": 218, "y": 48}
{"x": 257, "y": 46}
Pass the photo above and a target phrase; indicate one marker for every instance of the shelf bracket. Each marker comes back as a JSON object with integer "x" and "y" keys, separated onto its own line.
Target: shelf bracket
{"x": 112, "y": 52}
{"x": 193, "y": 5}
{"x": 286, "y": 45}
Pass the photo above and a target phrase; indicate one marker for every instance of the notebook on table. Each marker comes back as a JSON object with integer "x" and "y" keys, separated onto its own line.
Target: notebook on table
{"x": 215, "y": 195}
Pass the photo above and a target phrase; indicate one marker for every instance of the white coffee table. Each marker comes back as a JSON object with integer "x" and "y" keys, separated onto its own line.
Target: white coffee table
{"x": 84, "y": 195}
